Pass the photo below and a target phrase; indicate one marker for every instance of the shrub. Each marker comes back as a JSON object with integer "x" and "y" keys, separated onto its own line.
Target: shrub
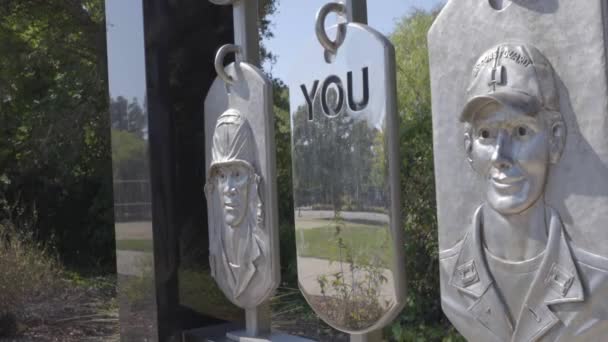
{"x": 29, "y": 274}
{"x": 423, "y": 333}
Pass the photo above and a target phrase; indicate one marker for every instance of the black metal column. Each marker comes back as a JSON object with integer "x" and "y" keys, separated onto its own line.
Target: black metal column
{"x": 164, "y": 283}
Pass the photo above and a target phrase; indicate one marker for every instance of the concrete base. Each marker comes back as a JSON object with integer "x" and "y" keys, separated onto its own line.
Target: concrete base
{"x": 241, "y": 336}
{"x": 374, "y": 336}
{"x": 220, "y": 334}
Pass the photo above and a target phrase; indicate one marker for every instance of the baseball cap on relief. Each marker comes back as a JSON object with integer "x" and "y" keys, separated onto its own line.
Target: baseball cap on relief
{"x": 514, "y": 75}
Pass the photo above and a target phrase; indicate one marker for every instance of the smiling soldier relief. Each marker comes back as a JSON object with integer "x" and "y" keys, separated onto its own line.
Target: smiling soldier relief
{"x": 516, "y": 276}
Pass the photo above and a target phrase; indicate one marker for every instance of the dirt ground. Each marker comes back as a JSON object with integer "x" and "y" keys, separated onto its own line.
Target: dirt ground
{"x": 77, "y": 312}
{"x": 89, "y": 312}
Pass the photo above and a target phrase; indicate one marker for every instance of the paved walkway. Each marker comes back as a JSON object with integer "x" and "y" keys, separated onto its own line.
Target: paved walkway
{"x": 307, "y": 219}
{"x": 347, "y": 215}
{"x": 134, "y": 263}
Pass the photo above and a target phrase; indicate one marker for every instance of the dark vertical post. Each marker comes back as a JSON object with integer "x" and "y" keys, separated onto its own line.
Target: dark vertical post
{"x": 162, "y": 164}
{"x": 160, "y": 59}
{"x": 357, "y": 10}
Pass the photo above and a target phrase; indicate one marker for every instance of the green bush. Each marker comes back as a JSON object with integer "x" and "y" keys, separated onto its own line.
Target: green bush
{"x": 423, "y": 306}
{"x": 55, "y": 137}
{"x": 424, "y": 333}
{"x": 30, "y": 274}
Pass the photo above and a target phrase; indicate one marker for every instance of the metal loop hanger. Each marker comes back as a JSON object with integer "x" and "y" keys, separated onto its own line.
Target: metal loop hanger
{"x": 326, "y": 42}
{"x": 246, "y": 28}
{"x": 246, "y": 44}
{"x": 219, "y": 61}
{"x": 352, "y": 11}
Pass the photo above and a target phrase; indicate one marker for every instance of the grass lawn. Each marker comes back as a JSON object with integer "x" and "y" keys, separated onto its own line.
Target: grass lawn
{"x": 363, "y": 241}
{"x": 135, "y": 245}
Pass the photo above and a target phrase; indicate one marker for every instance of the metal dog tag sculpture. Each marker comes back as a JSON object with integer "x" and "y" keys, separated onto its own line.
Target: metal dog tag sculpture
{"x": 523, "y": 200}
{"x": 240, "y": 189}
{"x": 345, "y": 175}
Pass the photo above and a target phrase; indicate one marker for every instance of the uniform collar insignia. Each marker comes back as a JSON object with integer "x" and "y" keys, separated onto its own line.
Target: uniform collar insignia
{"x": 470, "y": 275}
{"x": 557, "y": 281}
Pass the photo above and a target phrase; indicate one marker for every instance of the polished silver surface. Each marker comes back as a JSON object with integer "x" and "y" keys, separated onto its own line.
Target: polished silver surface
{"x": 522, "y": 199}
{"x": 345, "y": 175}
{"x": 356, "y": 12}
{"x": 246, "y": 30}
{"x": 241, "y": 186}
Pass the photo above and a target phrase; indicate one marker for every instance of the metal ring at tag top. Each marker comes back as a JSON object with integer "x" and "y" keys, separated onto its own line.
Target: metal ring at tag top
{"x": 223, "y": 2}
{"x": 328, "y": 44}
{"x": 219, "y": 61}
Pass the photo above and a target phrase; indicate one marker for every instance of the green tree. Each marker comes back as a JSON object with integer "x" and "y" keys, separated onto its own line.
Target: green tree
{"x": 55, "y": 146}
{"x": 284, "y": 184}
{"x": 54, "y": 137}
{"x": 423, "y": 307}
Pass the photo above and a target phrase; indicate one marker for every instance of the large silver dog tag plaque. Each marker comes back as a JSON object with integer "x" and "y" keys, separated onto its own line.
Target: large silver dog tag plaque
{"x": 346, "y": 184}
{"x": 241, "y": 185}
{"x": 521, "y": 163}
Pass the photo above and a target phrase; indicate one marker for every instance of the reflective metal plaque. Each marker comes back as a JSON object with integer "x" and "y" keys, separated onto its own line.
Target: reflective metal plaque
{"x": 241, "y": 186}
{"x": 345, "y": 176}
{"x": 521, "y": 155}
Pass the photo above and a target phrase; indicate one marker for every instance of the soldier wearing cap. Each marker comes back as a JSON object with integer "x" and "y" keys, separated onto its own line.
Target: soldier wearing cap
{"x": 515, "y": 276}
{"x": 238, "y": 244}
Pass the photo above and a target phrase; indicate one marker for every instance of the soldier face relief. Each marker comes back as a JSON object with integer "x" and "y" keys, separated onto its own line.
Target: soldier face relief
{"x": 512, "y": 152}
{"x": 233, "y": 184}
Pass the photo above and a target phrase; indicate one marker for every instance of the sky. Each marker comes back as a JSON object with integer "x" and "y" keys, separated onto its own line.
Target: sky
{"x": 292, "y": 23}
{"x": 126, "y": 59}
{"x": 295, "y": 19}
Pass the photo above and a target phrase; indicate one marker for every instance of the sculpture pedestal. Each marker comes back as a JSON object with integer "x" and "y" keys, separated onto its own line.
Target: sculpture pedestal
{"x": 374, "y": 336}
{"x": 242, "y": 336}
{"x": 218, "y": 334}
{"x": 258, "y": 320}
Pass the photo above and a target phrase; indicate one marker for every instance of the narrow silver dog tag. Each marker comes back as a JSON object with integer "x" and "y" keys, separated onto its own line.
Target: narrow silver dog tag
{"x": 346, "y": 184}
{"x": 241, "y": 185}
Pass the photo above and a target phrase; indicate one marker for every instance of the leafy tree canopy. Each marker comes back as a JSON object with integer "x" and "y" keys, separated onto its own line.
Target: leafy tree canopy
{"x": 55, "y": 148}
{"x": 423, "y": 309}
{"x": 54, "y": 151}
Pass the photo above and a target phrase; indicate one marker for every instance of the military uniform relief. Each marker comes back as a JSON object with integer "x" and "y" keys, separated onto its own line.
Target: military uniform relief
{"x": 516, "y": 276}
